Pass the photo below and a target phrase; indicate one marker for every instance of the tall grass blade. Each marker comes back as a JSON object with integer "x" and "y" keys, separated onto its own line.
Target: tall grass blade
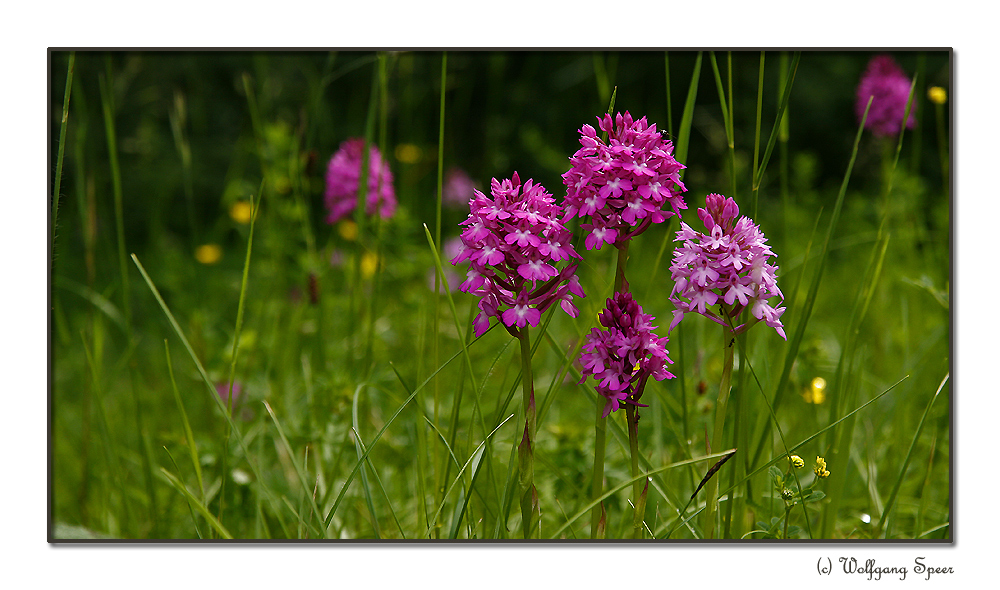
{"x": 56, "y": 186}
{"x": 796, "y": 341}
{"x": 303, "y": 481}
{"x": 188, "y": 434}
{"x": 884, "y": 523}
{"x": 176, "y": 483}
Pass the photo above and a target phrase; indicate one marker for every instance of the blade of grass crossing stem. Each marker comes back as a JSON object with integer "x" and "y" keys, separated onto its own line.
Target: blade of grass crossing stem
{"x": 885, "y": 522}
{"x": 457, "y": 521}
{"x": 458, "y": 476}
{"x": 57, "y": 184}
{"x": 210, "y": 389}
{"x": 775, "y": 129}
{"x": 364, "y": 472}
{"x": 774, "y": 420}
{"x": 620, "y": 436}
{"x": 451, "y": 303}
{"x": 188, "y": 434}
{"x": 628, "y": 483}
{"x": 381, "y": 487}
{"x": 350, "y": 478}
{"x": 180, "y": 487}
{"x": 194, "y": 519}
{"x": 796, "y": 341}
{"x": 819, "y": 432}
{"x": 303, "y": 481}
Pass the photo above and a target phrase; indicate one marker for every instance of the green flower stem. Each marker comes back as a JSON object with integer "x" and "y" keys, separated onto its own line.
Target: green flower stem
{"x": 601, "y": 423}
{"x": 632, "y": 417}
{"x": 720, "y": 421}
{"x": 526, "y": 452}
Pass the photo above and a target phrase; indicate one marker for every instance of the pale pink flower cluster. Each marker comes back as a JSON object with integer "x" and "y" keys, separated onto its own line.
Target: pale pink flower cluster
{"x": 514, "y": 240}
{"x": 623, "y": 184}
{"x": 728, "y": 264}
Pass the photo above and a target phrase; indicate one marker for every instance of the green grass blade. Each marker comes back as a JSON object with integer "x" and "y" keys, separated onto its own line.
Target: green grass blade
{"x": 884, "y": 522}
{"x": 378, "y": 480}
{"x": 775, "y": 130}
{"x": 628, "y": 483}
{"x": 62, "y": 147}
{"x": 188, "y": 434}
{"x": 303, "y": 481}
{"x": 687, "y": 116}
{"x": 210, "y": 389}
{"x": 461, "y": 472}
{"x": 361, "y": 460}
{"x": 194, "y": 519}
{"x": 176, "y": 483}
{"x": 350, "y": 478}
{"x": 796, "y": 341}
{"x": 107, "y": 103}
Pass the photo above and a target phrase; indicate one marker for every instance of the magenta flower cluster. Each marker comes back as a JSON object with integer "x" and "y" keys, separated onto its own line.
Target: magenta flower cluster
{"x": 727, "y": 264}
{"x": 514, "y": 240}
{"x": 623, "y": 184}
{"x": 342, "y": 178}
{"x": 889, "y": 88}
{"x": 625, "y": 354}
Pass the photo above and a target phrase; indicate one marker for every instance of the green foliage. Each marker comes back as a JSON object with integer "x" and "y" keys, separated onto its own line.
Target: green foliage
{"x": 368, "y": 410}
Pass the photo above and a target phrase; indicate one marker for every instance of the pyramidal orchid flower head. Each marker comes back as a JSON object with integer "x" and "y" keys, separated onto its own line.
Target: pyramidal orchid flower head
{"x": 727, "y": 265}
{"x": 514, "y": 242}
{"x": 343, "y": 175}
{"x": 623, "y": 355}
{"x": 625, "y": 184}
{"x": 889, "y": 88}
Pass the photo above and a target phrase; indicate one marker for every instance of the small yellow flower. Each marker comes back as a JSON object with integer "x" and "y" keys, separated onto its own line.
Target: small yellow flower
{"x": 816, "y": 394}
{"x": 241, "y": 212}
{"x": 348, "y": 230}
{"x": 369, "y": 263}
{"x": 208, "y": 253}
{"x": 937, "y": 94}
{"x": 820, "y": 468}
{"x": 407, "y": 153}
{"x": 797, "y": 462}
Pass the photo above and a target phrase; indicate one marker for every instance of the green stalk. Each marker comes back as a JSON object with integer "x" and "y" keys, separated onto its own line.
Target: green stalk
{"x": 62, "y": 147}
{"x": 435, "y": 329}
{"x": 525, "y": 451}
{"x": 720, "y": 420}
{"x": 756, "y": 136}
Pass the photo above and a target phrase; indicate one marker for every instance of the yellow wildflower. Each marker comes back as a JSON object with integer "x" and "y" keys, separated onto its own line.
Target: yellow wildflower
{"x": 407, "y": 153}
{"x": 820, "y": 468}
{"x": 937, "y": 94}
{"x": 816, "y": 394}
{"x": 241, "y": 212}
{"x": 208, "y": 253}
{"x": 797, "y": 461}
{"x": 348, "y": 230}
{"x": 369, "y": 263}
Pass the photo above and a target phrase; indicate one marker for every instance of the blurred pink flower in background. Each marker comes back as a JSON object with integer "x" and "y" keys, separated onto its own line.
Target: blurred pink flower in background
{"x": 889, "y": 88}
{"x": 343, "y": 175}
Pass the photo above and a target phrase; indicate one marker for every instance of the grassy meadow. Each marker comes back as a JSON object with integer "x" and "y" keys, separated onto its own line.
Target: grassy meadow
{"x": 225, "y": 364}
